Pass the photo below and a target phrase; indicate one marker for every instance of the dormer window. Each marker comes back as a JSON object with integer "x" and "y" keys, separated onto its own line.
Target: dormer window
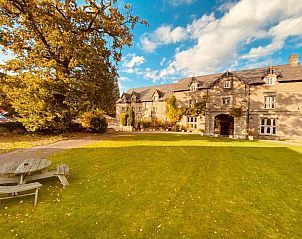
{"x": 194, "y": 86}
{"x": 133, "y": 98}
{"x": 227, "y": 84}
{"x": 270, "y": 80}
{"x": 155, "y": 98}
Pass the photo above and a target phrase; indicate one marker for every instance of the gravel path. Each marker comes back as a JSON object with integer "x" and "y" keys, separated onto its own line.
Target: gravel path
{"x": 45, "y": 151}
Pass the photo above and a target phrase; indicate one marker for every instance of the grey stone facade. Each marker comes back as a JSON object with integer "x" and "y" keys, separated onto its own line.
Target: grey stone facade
{"x": 263, "y": 102}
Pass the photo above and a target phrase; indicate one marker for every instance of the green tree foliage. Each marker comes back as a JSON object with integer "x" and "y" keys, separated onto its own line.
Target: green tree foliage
{"x": 198, "y": 109}
{"x": 131, "y": 117}
{"x": 123, "y": 119}
{"x": 66, "y": 57}
{"x": 173, "y": 113}
{"x": 5, "y": 104}
{"x": 94, "y": 121}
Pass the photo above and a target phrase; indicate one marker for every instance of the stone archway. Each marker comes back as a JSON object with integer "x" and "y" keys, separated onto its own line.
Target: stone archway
{"x": 224, "y": 125}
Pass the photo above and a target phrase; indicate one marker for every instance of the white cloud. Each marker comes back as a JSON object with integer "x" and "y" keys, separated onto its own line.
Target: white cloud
{"x": 147, "y": 45}
{"x": 163, "y": 35}
{"x": 163, "y": 61}
{"x": 177, "y": 3}
{"x": 219, "y": 41}
{"x": 279, "y": 33}
{"x": 226, "y": 6}
{"x": 134, "y": 61}
{"x": 124, "y": 78}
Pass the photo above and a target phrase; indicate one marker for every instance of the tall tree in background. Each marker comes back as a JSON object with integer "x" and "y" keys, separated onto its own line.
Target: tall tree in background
{"x": 66, "y": 57}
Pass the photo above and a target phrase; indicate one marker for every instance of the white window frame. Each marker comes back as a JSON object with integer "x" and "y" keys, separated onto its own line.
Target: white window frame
{"x": 192, "y": 122}
{"x": 268, "y": 126}
{"x": 226, "y": 100}
{"x": 227, "y": 84}
{"x": 270, "y": 81}
{"x": 194, "y": 86}
{"x": 192, "y": 103}
{"x": 269, "y": 102}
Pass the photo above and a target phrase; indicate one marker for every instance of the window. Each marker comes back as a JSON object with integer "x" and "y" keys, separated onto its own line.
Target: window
{"x": 192, "y": 103}
{"x": 268, "y": 126}
{"x": 270, "y": 80}
{"x": 155, "y": 98}
{"x": 192, "y": 122}
{"x": 227, "y": 84}
{"x": 226, "y": 100}
{"x": 270, "y": 102}
{"x": 139, "y": 109}
{"x": 154, "y": 109}
{"x": 194, "y": 86}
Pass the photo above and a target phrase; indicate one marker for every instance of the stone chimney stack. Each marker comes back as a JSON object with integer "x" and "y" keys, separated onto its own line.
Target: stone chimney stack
{"x": 293, "y": 60}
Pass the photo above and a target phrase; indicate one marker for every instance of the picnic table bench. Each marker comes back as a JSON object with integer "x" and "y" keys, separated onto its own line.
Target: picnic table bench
{"x": 61, "y": 172}
{"x": 32, "y": 170}
{"x": 14, "y": 190}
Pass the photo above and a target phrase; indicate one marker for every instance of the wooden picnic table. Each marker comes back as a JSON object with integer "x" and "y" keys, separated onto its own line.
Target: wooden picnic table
{"x": 24, "y": 167}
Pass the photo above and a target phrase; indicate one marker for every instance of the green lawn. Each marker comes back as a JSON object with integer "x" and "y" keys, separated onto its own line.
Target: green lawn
{"x": 12, "y": 141}
{"x": 167, "y": 186}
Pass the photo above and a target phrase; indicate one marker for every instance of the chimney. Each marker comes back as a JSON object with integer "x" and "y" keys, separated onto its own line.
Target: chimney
{"x": 293, "y": 60}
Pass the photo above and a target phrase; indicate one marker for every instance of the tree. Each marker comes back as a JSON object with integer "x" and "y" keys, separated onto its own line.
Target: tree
{"x": 173, "y": 113}
{"x": 5, "y": 104}
{"x": 131, "y": 117}
{"x": 66, "y": 57}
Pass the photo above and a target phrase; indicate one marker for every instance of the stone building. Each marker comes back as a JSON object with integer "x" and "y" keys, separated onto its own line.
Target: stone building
{"x": 263, "y": 102}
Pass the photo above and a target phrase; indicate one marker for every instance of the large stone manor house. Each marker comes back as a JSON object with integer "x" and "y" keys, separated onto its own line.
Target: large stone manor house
{"x": 267, "y": 102}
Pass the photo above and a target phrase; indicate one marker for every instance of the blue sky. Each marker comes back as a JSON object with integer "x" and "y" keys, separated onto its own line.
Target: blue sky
{"x": 195, "y": 37}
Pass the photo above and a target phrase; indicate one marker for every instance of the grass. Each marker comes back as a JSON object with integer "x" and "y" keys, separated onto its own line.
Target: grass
{"x": 167, "y": 186}
{"x": 12, "y": 141}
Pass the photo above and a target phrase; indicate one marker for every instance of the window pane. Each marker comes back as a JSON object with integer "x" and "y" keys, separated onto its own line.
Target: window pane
{"x": 268, "y": 122}
{"x": 262, "y": 130}
{"x": 274, "y": 130}
{"x": 268, "y": 130}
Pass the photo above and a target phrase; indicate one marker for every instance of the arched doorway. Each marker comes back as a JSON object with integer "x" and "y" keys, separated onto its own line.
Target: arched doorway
{"x": 224, "y": 125}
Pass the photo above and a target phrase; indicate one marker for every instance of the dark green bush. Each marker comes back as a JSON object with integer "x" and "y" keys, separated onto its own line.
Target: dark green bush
{"x": 12, "y": 126}
{"x": 146, "y": 123}
{"x": 94, "y": 121}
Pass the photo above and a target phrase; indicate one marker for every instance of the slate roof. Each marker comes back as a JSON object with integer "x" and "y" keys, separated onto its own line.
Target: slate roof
{"x": 287, "y": 73}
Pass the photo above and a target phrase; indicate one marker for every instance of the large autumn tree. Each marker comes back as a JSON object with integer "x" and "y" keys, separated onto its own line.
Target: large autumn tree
{"x": 66, "y": 56}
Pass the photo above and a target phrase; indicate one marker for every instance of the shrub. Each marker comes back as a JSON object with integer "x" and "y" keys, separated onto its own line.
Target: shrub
{"x": 176, "y": 128}
{"x": 94, "y": 121}
{"x": 158, "y": 123}
{"x": 183, "y": 128}
{"x": 123, "y": 119}
{"x": 12, "y": 126}
{"x": 130, "y": 120}
{"x": 146, "y": 123}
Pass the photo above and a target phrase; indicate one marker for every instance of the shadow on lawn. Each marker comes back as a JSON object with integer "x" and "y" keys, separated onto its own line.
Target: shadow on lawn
{"x": 174, "y": 137}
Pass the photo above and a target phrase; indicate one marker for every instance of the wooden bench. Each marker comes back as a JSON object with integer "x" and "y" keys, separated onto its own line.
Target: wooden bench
{"x": 14, "y": 190}
{"x": 9, "y": 180}
{"x": 61, "y": 173}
